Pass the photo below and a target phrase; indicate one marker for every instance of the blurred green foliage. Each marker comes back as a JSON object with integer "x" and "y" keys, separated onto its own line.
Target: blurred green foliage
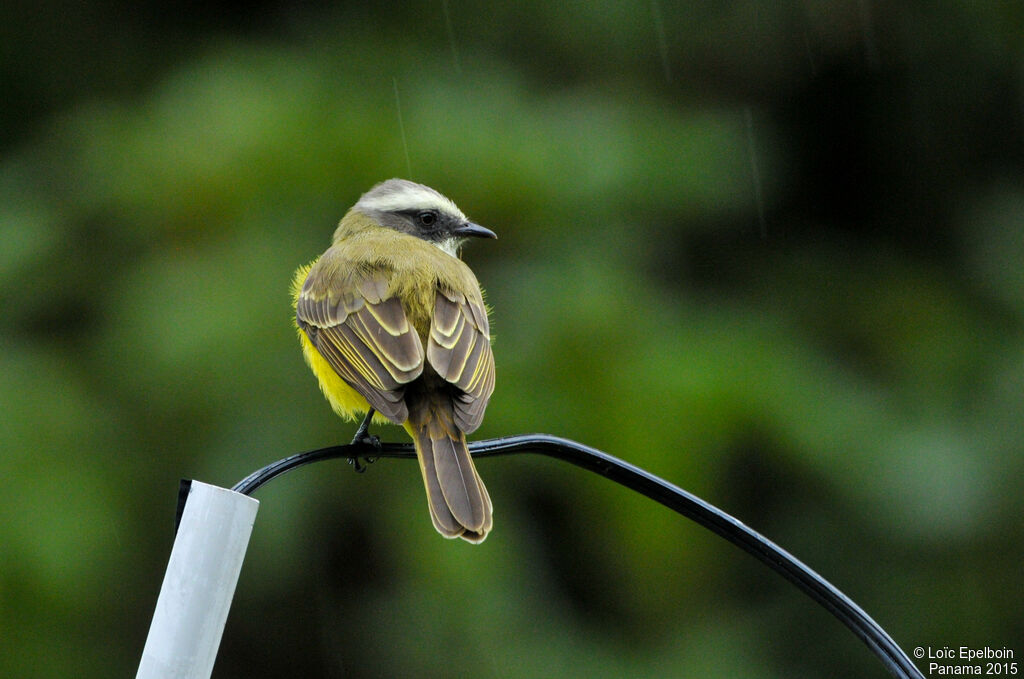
{"x": 769, "y": 251}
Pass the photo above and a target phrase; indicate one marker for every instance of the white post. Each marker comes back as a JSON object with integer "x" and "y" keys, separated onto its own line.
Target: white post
{"x": 199, "y": 584}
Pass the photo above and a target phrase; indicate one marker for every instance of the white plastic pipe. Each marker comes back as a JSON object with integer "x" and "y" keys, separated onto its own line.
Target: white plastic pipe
{"x": 199, "y": 584}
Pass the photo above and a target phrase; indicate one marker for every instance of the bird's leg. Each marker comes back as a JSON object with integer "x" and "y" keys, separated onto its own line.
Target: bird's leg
{"x": 364, "y": 426}
{"x": 364, "y": 438}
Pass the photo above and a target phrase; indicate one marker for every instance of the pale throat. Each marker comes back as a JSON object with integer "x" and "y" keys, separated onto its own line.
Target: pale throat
{"x": 449, "y": 245}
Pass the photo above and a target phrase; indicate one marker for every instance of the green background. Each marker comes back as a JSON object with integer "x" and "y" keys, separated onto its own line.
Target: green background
{"x": 769, "y": 251}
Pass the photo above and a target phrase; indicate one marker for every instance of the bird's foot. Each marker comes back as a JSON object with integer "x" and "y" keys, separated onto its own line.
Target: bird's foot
{"x": 357, "y": 463}
{"x": 364, "y": 439}
{"x": 361, "y": 433}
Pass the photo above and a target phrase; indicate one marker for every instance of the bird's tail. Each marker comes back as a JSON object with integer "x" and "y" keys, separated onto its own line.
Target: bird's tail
{"x": 459, "y": 503}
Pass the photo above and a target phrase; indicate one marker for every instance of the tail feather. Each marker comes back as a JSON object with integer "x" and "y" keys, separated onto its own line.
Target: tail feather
{"x": 442, "y": 517}
{"x": 458, "y": 481}
{"x": 459, "y": 503}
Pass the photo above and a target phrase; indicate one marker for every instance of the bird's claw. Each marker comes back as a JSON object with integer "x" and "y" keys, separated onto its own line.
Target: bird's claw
{"x": 364, "y": 439}
{"x": 357, "y": 463}
{"x": 368, "y": 441}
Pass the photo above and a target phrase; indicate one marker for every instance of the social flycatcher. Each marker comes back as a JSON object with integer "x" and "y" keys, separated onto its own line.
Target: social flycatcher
{"x": 391, "y": 319}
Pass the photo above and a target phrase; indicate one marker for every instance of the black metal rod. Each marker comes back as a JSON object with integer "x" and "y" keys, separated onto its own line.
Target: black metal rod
{"x": 673, "y": 497}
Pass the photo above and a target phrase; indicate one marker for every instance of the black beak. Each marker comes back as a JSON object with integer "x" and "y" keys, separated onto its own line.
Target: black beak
{"x": 471, "y": 230}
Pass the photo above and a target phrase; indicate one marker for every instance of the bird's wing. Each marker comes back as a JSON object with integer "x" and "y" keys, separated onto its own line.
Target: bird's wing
{"x": 459, "y": 349}
{"x": 362, "y": 333}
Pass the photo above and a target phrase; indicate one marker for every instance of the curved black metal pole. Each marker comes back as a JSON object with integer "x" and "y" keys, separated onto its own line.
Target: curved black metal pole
{"x": 673, "y": 497}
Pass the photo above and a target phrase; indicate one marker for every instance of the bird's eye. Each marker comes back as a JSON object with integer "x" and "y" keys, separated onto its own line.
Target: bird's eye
{"x": 427, "y": 217}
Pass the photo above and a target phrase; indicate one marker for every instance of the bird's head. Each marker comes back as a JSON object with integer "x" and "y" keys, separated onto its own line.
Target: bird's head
{"x": 419, "y": 211}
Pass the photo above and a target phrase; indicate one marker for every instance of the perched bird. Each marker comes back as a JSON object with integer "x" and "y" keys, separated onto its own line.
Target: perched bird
{"x": 391, "y": 320}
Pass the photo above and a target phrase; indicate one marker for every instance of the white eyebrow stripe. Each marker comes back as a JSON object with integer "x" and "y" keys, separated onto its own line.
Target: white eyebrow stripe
{"x": 410, "y": 197}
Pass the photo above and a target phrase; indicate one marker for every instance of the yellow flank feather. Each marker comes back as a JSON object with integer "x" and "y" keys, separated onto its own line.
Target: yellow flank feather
{"x": 345, "y": 400}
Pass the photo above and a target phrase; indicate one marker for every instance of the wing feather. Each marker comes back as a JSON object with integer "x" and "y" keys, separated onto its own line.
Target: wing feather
{"x": 362, "y": 332}
{"x": 459, "y": 349}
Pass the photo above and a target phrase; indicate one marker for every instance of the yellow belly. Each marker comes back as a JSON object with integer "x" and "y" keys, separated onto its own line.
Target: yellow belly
{"x": 345, "y": 400}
